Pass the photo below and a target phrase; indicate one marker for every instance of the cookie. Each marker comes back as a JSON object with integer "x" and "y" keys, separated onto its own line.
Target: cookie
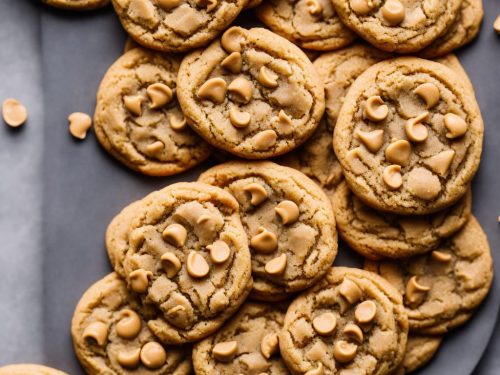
{"x": 289, "y": 222}
{"x": 251, "y": 93}
{"x": 441, "y": 289}
{"x": 409, "y": 136}
{"x": 138, "y": 119}
{"x": 176, "y": 25}
{"x": 375, "y": 234}
{"x": 452, "y": 62}
{"x": 111, "y": 337}
{"x": 183, "y": 249}
{"x": 77, "y": 4}
{"x": 247, "y": 344}
{"x": 310, "y": 24}
{"x": 352, "y": 321}
{"x": 463, "y": 30}
{"x": 419, "y": 351}
{"x": 28, "y": 369}
{"x": 398, "y": 26}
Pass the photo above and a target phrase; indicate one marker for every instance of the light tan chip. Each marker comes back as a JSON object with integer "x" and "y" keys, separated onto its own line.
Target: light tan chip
{"x": 392, "y": 176}
{"x": 393, "y": 12}
{"x": 175, "y": 234}
{"x": 129, "y": 325}
{"x": 130, "y": 359}
{"x": 153, "y": 355}
{"x": 372, "y": 140}
{"x": 225, "y": 351}
{"x": 496, "y": 25}
{"x": 197, "y": 266}
{"x": 269, "y": 345}
{"x": 415, "y": 130}
{"x": 257, "y": 192}
{"x": 79, "y": 124}
{"x": 325, "y": 324}
{"x": 375, "y": 109}
{"x": 159, "y": 95}
{"x": 354, "y": 333}
{"x": 214, "y": 90}
{"x": 350, "y": 291}
{"x": 14, "y": 113}
{"x": 139, "y": 280}
{"x": 264, "y": 241}
{"x": 98, "y": 331}
{"x": 288, "y": 211}
{"x": 276, "y": 266}
{"x": 344, "y": 351}
{"x": 170, "y": 264}
{"x": 429, "y": 93}
{"x": 456, "y": 125}
{"x": 365, "y": 312}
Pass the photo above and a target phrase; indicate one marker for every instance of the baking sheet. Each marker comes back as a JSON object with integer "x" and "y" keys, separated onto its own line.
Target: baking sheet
{"x": 57, "y": 194}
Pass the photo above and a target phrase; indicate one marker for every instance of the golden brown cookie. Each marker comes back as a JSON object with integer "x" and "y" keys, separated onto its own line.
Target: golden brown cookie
{"x": 29, "y": 369}
{"x": 419, "y": 351}
{"x": 77, "y": 4}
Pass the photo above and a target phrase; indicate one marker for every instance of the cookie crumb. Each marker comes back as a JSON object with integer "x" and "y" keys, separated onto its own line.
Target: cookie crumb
{"x": 79, "y": 124}
{"x": 14, "y": 113}
{"x": 496, "y": 24}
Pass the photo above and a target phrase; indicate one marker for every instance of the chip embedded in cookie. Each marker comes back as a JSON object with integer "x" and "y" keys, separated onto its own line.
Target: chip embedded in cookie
{"x": 409, "y": 136}
{"x": 77, "y": 4}
{"x": 111, "y": 335}
{"x": 352, "y": 321}
{"x": 246, "y": 344}
{"x": 289, "y": 222}
{"x": 251, "y": 93}
{"x": 138, "y": 119}
{"x": 442, "y": 289}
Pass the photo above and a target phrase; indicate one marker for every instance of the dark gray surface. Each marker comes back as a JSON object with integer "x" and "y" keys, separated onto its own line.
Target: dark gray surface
{"x": 58, "y": 194}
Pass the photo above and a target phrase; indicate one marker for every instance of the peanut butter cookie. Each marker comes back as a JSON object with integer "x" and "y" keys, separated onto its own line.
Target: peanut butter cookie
{"x": 352, "y": 321}
{"x": 77, "y": 4}
{"x": 409, "y": 136}
{"x": 289, "y": 223}
{"x": 110, "y": 335}
{"x": 419, "y": 351}
{"x": 28, "y": 369}
{"x": 183, "y": 249}
{"x": 311, "y": 24}
{"x": 252, "y": 93}
{"x": 375, "y": 234}
{"x": 138, "y": 119}
{"x": 442, "y": 289}
{"x": 176, "y": 25}
{"x": 247, "y": 344}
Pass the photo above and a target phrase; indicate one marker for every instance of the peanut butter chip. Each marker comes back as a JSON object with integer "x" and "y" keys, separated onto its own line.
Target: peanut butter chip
{"x": 496, "y": 25}
{"x": 372, "y": 140}
{"x": 440, "y": 256}
{"x": 314, "y": 7}
{"x": 257, "y": 192}
{"x": 79, "y": 124}
{"x": 197, "y": 266}
{"x": 239, "y": 119}
{"x": 159, "y": 95}
{"x": 350, "y": 291}
{"x": 241, "y": 89}
{"x": 344, "y": 351}
{"x": 415, "y": 130}
{"x": 415, "y": 292}
{"x": 219, "y": 252}
{"x": 353, "y": 157}
{"x": 130, "y": 325}
{"x": 423, "y": 184}
{"x": 264, "y": 140}
{"x": 153, "y": 355}
{"x": 14, "y": 113}
{"x": 225, "y": 351}
{"x": 361, "y": 7}
{"x": 214, "y": 90}
{"x": 284, "y": 119}
{"x": 268, "y": 78}
{"x": 232, "y": 39}
{"x": 375, "y": 109}
{"x": 288, "y": 211}
{"x": 139, "y": 280}
{"x": 264, "y": 241}
{"x": 175, "y": 234}
{"x": 133, "y": 103}
{"x": 177, "y": 122}
{"x": 429, "y": 93}
{"x": 168, "y": 4}
{"x": 392, "y": 176}
{"x": 207, "y": 224}
{"x": 209, "y": 4}
{"x": 354, "y": 333}
{"x": 276, "y": 266}
{"x": 393, "y": 12}
{"x": 233, "y": 62}
{"x": 170, "y": 264}
{"x": 155, "y": 147}
{"x": 441, "y": 162}
{"x": 325, "y": 324}
{"x": 98, "y": 331}
{"x": 456, "y": 125}
{"x": 365, "y": 312}
{"x": 398, "y": 152}
{"x": 130, "y": 359}
{"x": 269, "y": 345}
{"x": 316, "y": 371}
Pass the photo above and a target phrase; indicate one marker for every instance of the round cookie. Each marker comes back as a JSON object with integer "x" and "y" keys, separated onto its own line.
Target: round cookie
{"x": 409, "y": 136}
{"x": 441, "y": 289}
{"x": 187, "y": 254}
{"x": 111, "y": 337}
{"x": 246, "y": 344}
{"x": 452, "y": 62}
{"x": 375, "y": 234}
{"x": 289, "y": 223}
{"x": 352, "y": 321}
{"x": 462, "y": 31}
{"x": 138, "y": 119}
{"x": 77, "y": 4}
{"x": 252, "y": 93}
{"x": 29, "y": 369}
{"x": 311, "y": 24}
{"x": 398, "y": 26}
{"x": 176, "y": 25}
{"x": 419, "y": 351}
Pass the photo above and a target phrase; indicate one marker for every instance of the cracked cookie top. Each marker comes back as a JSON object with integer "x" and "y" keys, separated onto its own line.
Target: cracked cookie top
{"x": 110, "y": 334}
{"x": 251, "y": 93}
{"x": 442, "y": 288}
{"x": 176, "y": 25}
{"x": 352, "y": 321}
{"x": 398, "y": 25}
{"x": 289, "y": 223}
{"x": 311, "y": 24}
{"x": 138, "y": 119}
{"x": 409, "y": 136}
